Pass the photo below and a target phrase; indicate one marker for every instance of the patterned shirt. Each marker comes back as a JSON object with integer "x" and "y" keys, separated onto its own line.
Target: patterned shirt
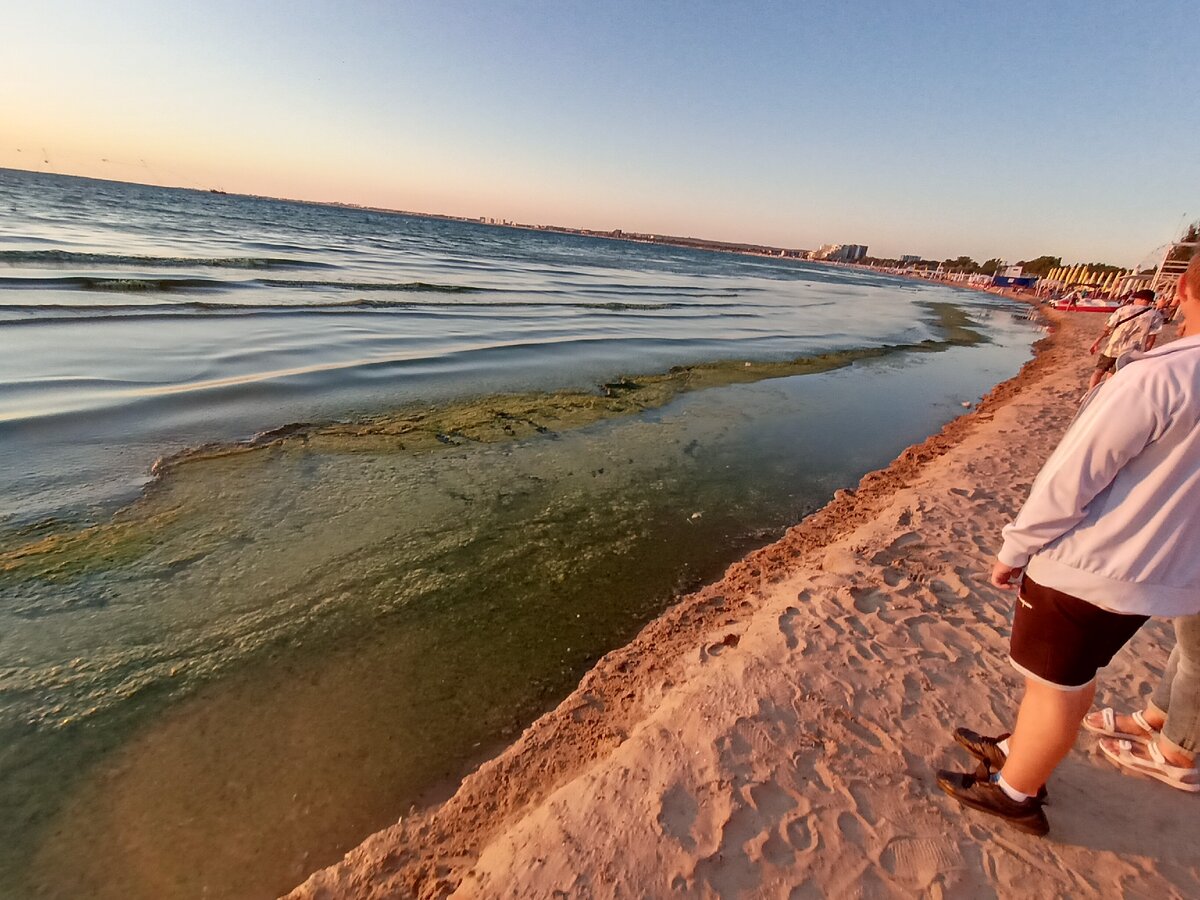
{"x": 1131, "y": 326}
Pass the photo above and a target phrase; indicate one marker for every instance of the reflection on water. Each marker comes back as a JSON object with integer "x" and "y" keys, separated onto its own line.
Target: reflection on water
{"x": 311, "y": 640}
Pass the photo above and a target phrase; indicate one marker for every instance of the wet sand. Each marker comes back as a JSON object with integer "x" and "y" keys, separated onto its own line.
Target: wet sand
{"x": 777, "y": 733}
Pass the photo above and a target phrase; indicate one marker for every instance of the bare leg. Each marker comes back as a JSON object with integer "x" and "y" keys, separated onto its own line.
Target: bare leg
{"x": 1047, "y": 724}
{"x": 1097, "y": 377}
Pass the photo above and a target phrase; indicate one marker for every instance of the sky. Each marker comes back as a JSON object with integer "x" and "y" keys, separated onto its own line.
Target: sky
{"x": 1006, "y": 129}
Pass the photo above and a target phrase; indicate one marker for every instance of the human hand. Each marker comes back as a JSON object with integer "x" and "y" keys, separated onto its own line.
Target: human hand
{"x": 1005, "y": 577}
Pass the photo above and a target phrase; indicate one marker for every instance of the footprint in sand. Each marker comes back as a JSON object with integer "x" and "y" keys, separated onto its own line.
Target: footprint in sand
{"x": 677, "y": 816}
{"x": 919, "y": 861}
{"x": 867, "y": 600}
{"x": 729, "y": 641}
{"x": 897, "y": 549}
{"x": 787, "y": 626}
{"x": 852, "y": 829}
{"x": 802, "y": 834}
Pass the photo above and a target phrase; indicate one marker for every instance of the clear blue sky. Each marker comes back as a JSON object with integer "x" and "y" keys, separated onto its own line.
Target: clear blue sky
{"x": 997, "y": 128}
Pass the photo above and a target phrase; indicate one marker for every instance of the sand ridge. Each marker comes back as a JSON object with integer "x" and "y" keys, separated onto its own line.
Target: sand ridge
{"x": 776, "y": 734}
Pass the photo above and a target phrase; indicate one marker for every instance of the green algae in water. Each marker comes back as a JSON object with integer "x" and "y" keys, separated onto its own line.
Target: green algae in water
{"x": 443, "y": 595}
{"x": 66, "y": 553}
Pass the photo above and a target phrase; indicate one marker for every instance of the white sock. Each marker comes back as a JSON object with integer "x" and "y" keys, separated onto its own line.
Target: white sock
{"x": 1003, "y": 745}
{"x": 1011, "y": 792}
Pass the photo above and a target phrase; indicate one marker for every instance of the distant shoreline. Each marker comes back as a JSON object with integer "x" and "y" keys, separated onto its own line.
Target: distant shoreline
{"x": 741, "y": 248}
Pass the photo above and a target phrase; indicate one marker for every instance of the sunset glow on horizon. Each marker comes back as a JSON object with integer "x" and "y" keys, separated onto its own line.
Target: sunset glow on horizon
{"x": 936, "y": 130}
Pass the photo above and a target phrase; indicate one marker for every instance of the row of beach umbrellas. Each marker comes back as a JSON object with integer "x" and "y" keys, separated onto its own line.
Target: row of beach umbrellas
{"x": 1081, "y": 275}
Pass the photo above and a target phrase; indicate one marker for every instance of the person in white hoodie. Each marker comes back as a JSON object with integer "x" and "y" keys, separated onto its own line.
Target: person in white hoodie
{"x": 1105, "y": 540}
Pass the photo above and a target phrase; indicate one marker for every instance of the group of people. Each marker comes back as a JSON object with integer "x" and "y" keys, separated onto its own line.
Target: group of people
{"x": 1107, "y": 539}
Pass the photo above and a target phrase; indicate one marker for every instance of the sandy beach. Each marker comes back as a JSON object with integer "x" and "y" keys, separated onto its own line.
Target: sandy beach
{"x": 776, "y": 734}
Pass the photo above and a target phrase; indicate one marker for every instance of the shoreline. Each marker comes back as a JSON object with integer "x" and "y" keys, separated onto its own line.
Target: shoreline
{"x": 324, "y": 606}
{"x": 516, "y": 819}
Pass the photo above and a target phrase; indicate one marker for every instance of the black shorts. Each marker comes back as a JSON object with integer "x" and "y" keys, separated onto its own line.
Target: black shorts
{"x": 1105, "y": 363}
{"x": 1062, "y": 640}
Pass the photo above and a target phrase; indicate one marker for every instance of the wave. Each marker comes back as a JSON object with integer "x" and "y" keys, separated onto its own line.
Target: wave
{"x": 166, "y": 285}
{"x": 46, "y": 314}
{"x": 71, "y": 257}
{"x": 420, "y": 286}
{"x": 120, "y": 285}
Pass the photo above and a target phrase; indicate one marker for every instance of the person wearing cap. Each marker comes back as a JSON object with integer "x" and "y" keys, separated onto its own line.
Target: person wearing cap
{"x": 1105, "y": 540}
{"x": 1128, "y": 329}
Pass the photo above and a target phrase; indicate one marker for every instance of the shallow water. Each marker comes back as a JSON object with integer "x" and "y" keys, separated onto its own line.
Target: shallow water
{"x": 323, "y": 637}
{"x": 275, "y": 652}
{"x": 137, "y": 321}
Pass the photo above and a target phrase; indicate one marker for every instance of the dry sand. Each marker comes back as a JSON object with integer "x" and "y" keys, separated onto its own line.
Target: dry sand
{"x": 776, "y": 734}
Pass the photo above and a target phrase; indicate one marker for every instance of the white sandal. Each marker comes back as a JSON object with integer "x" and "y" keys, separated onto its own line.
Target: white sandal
{"x": 1109, "y": 718}
{"x": 1183, "y": 778}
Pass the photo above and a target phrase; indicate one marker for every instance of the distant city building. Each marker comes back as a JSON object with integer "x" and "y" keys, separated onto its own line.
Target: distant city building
{"x": 841, "y": 252}
{"x": 908, "y": 259}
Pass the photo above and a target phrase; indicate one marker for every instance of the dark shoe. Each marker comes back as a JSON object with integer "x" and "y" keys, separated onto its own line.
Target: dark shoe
{"x": 983, "y": 795}
{"x": 987, "y": 751}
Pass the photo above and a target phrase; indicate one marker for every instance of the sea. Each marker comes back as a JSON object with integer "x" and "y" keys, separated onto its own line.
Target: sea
{"x": 306, "y": 509}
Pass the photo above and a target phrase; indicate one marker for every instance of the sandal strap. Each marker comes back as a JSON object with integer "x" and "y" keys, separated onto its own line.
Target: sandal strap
{"x": 1109, "y": 718}
{"x": 1140, "y": 718}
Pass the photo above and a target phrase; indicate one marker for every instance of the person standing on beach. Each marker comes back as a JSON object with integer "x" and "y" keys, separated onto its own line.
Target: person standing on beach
{"x": 1106, "y": 540}
{"x": 1127, "y": 330}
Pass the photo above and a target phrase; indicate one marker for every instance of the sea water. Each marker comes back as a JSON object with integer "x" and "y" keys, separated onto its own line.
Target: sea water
{"x": 517, "y": 447}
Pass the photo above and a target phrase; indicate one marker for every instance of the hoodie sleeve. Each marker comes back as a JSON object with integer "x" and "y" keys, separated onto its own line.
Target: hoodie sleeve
{"x": 1111, "y": 430}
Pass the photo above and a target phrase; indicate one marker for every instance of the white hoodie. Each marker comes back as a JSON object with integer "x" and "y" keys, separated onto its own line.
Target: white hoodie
{"x": 1114, "y": 516}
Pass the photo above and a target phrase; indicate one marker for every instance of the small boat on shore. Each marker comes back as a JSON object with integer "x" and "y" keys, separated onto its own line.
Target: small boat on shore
{"x": 1105, "y": 306}
{"x": 1082, "y": 300}
{"x": 1089, "y": 305}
